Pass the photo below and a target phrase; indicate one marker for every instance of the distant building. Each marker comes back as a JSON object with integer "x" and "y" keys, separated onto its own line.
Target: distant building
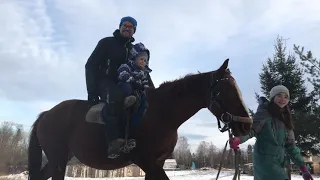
{"x": 312, "y": 160}
{"x": 247, "y": 169}
{"x": 170, "y": 164}
{"x": 314, "y": 163}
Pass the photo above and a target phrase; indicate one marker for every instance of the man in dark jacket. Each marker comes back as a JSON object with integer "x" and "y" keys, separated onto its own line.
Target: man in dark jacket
{"x": 101, "y": 76}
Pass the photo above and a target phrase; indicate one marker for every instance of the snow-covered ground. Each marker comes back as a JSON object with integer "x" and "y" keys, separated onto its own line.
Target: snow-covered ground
{"x": 173, "y": 175}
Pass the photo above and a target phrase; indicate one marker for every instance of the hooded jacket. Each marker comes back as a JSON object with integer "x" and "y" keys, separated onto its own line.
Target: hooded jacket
{"x": 273, "y": 142}
{"x": 131, "y": 73}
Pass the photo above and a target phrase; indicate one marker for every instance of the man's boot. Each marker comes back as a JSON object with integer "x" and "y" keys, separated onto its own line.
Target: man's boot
{"x": 129, "y": 101}
{"x": 114, "y": 147}
{"x": 112, "y": 129}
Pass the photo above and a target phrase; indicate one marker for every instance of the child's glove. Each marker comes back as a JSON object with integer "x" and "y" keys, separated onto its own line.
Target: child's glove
{"x": 305, "y": 173}
{"x": 234, "y": 143}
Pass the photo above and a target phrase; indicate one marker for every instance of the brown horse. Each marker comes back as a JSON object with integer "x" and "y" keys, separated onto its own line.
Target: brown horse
{"x": 62, "y": 132}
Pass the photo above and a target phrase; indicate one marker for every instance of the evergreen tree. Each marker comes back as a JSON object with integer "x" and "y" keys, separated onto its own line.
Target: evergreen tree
{"x": 312, "y": 68}
{"x": 283, "y": 69}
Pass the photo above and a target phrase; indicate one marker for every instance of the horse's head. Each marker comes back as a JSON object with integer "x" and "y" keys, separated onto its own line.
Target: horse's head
{"x": 225, "y": 102}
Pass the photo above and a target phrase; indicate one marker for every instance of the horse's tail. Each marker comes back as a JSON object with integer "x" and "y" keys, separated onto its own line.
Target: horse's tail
{"x": 35, "y": 151}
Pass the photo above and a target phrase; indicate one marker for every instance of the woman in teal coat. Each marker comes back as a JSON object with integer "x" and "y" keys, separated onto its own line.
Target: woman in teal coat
{"x": 273, "y": 129}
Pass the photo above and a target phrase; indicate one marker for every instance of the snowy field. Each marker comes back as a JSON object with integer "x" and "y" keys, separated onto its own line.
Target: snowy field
{"x": 173, "y": 175}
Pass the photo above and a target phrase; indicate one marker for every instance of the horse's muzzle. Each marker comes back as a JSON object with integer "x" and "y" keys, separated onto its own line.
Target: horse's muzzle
{"x": 241, "y": 126}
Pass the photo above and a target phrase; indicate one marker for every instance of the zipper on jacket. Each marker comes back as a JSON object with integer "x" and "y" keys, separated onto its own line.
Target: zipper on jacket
{"x": 108, "y": 66}
{"x": 125, "y": 45}
{"x": 273, "y": 128}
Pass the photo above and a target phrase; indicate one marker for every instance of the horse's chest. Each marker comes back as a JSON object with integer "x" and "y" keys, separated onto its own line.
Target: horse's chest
{"x": 161, "y": 143}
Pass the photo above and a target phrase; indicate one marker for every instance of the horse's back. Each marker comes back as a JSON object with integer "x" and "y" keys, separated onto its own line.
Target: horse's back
{"x": 58, "y": 117}
{"x": 65, "y": 124}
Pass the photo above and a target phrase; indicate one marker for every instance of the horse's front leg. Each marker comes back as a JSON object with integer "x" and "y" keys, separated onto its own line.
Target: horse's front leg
{"x": 152, "y": 169}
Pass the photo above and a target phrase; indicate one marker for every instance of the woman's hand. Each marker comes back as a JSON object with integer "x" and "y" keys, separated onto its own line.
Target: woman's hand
{"x": 305, "y": 173}
{"x": 234, "y": 143}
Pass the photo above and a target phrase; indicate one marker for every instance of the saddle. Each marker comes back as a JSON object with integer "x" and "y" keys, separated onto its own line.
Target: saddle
{"x": 133, "y": 116}
{"x": 94, "y": 114}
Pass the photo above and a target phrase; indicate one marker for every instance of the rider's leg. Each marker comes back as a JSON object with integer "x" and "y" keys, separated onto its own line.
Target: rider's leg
{"x": 114, "y": 102}
{"x": 144, "y": 100}
{"x": 127, "y": 90}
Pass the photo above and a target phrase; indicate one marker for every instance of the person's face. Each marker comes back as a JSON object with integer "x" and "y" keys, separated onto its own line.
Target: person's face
{"x": 127, "y": 29}
{"x": 141, "y": 62}
{"x": 281, "y": 100}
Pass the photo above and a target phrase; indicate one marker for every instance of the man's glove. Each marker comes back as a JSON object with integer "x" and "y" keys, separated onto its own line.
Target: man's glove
{"x": 93, "y": 99}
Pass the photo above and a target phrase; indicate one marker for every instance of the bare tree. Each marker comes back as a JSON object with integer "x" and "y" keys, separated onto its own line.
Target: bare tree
{"x": 212, "y": 154}
{"x": 13, "y": 151}
{"x": 202, "y": 154}
{"x": 243, "y": 157}
{"x": 230, "y": 159}
{"x": 182, "y": 152}
{"x": 249, "y": 153}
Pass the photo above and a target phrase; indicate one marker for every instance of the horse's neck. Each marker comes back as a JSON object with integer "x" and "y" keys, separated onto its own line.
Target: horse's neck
{"x": 184, "y": 110}
{"x": 188, "y": 103}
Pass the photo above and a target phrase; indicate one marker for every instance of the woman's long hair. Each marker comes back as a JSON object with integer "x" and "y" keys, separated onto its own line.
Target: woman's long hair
{"x": 283, "y": 114}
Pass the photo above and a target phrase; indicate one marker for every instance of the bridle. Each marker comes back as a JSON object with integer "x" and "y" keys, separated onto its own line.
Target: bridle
{"x": 214, "y": 105}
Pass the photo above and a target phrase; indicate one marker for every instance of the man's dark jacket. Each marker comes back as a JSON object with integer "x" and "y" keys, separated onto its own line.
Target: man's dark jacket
{"x": 104, "y": 61}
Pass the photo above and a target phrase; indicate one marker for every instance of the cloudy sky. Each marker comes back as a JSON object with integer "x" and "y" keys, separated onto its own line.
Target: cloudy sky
{"x": 44, "y": 45}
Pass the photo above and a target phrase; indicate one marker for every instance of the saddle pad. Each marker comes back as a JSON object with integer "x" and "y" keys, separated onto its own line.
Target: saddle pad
{"x": 94, "y": 114}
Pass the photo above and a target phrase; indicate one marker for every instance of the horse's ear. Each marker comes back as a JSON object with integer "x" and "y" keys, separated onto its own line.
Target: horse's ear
{"x": 224, "y": 66}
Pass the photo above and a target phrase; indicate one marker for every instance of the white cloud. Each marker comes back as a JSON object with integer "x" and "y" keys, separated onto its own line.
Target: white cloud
{"x": 44, "y": 44}
{"x": 33, "y": 64}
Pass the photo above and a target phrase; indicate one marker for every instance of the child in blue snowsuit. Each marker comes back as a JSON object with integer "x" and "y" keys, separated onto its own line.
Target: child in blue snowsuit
{"x": 133, "y": 75}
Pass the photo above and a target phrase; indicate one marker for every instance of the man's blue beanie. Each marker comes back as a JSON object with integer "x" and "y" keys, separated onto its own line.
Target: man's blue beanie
{"x": 130, "y": 19}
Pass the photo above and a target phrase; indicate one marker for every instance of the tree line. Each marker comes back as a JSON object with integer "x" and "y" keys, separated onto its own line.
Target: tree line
{"x": 13, "y": 148}
{"x": 208, "y": 155}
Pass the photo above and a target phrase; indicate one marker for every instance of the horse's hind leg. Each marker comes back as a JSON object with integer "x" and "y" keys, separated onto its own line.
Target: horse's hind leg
{"x": 59, "y": 166}
{"x": 45, "y": 172}
{"x": 150, "y": 176}
{"x": 48, "y": 170}
{"x": 58, "y": 158}
{"x": 152, "y": 169}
